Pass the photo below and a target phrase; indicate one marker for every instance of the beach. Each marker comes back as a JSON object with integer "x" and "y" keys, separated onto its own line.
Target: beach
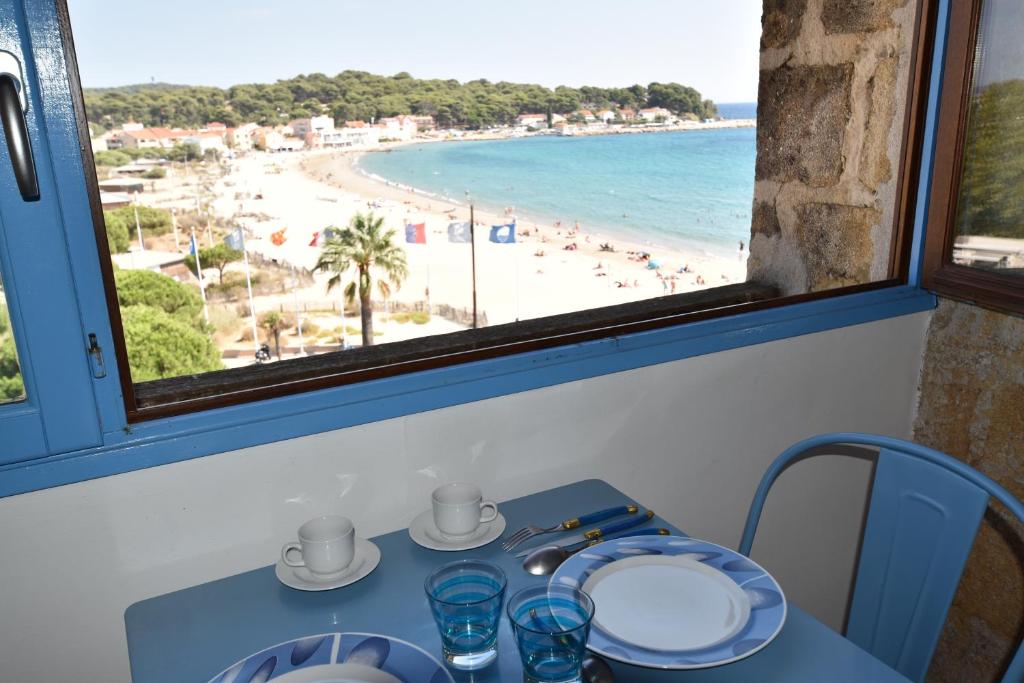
{"x": 551, "y": 269}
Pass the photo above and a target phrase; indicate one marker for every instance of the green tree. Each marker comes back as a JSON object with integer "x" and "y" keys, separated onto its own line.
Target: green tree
{"x": 12, "y": 388}
{"x": 218, "y": 256}
{"x": 368, "y": 247}
{"x": 111, "y": 158}
{"x": 118, "y": 232}
{"x": 161, "y": 346}
{"x": 992, "y": 192}
{"x": 188, "y": 151}
{"x": 152, "y": 220}
{"x": 146, "y": 288}
{"x": 155, "y": 173}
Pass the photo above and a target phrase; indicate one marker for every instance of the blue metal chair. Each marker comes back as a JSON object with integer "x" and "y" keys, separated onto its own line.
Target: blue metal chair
{"x": 924, "y": 513}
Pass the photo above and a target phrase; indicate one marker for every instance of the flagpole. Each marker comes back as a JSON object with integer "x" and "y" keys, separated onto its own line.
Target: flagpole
{"x": 199, "y": 272}
{"x": 248, "y": 286}
{"x": 472, "y": 244}
{"x": 138, "y": 226}
{"x": 298, "y": 314}
{"x": 515, "y": 246}
{"x": 174, "y": 224}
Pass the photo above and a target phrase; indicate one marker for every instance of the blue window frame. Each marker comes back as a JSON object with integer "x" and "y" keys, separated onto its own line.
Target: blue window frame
{"x": 74, "y": 427}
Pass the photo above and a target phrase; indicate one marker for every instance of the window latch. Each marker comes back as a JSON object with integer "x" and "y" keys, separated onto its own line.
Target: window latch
{"x": 99, "y": 368}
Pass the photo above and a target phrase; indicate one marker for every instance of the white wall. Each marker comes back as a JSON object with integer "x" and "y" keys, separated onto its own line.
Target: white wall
{"x": 689, "y": 438}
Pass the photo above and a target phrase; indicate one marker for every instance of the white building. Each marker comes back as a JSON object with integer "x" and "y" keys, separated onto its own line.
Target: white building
{"x": 350, "y": 138}
{"x": 654, "y": 114}
{"x": 242, "y": 138}
{"x": 398, "y": 128}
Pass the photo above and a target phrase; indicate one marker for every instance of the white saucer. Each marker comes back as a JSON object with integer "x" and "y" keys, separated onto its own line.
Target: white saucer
{"x": 365, "y": 560}
{"x": 425, "y": 533}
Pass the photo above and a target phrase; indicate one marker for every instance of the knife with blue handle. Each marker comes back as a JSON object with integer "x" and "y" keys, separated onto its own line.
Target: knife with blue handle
{"x": 601, "y": 532}
{"x": 599, "y": 516}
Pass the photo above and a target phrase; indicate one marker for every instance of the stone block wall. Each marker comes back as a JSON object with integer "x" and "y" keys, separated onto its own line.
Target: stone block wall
{"x": 831, "y": 104}
{"x": 972, "y": 407}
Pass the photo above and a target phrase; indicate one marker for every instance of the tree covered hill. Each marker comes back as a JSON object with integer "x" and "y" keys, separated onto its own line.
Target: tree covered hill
{"x": 359, "y": 95}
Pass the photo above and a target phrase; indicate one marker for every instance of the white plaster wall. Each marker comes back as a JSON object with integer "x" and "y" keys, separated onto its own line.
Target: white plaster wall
{"x": 690, "y": 439}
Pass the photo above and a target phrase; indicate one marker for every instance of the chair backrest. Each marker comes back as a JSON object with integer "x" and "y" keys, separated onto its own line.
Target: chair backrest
{"x": 924, "y": 513}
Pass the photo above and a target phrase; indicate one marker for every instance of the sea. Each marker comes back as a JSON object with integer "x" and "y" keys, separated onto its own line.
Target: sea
{"x": 689, "y": 189}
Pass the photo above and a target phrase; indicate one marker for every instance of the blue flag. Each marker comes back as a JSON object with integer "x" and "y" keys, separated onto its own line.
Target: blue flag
{"x": 192, "y": 246}
{"x": 460, "y": 232}
{"x": 235, "y": 240}
{"x": 504, "y": 234}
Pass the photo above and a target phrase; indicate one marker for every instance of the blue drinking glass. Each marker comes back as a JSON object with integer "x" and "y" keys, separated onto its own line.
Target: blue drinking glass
{"x": 552, "y": 624}
{"x": 465, "y": 598}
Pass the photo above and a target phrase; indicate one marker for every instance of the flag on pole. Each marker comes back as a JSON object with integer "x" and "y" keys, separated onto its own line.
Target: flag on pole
{"x": 317, "y": 241}
{"x": 235, "y": 239}
{"x": 192, "y": 249}
{"x": 459, "y": 233}
{"x": 503, "y": 234}
{"x": 416, "y": 233}
{"x": 278, "y": 238}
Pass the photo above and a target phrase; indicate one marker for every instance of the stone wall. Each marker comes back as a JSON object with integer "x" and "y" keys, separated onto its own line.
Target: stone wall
{"x": 831, "y": 103}
{"x": 972, "y": 407}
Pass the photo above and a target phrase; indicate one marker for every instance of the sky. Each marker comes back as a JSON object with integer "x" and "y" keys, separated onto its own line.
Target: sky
{"x": 709, "y": 45}
{"x": 1001, "y": 27}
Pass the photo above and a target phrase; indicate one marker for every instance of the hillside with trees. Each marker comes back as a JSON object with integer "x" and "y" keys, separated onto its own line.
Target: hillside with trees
{"x": 992, "y": 194}
{"x": 353, "y": 95}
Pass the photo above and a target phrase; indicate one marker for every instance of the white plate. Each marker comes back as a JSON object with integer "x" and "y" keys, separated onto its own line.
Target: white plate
{"x": 685, "y": 605}
{"x": 656, "y": 597}
{"x": 364, "y": 560}
{"x": 337, "y": 673}
{"x": 424, "y": 532}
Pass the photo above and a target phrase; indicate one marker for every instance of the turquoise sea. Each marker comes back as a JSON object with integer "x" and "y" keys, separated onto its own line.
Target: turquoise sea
{"x": 688, "y": 189}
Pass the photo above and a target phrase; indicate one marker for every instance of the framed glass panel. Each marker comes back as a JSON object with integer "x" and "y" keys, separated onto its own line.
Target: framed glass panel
{"x": 975, "y": 247}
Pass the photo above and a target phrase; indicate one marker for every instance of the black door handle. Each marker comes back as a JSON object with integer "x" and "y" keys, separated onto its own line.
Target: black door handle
{"x": 18, "y": 144}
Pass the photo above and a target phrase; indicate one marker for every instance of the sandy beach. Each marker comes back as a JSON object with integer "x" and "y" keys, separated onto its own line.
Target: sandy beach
{"x": 551, "y": 269}
{"x": 535, "y": 277}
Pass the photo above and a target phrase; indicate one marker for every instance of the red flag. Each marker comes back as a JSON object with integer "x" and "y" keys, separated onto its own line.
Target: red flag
{"x": 316, "y": 239}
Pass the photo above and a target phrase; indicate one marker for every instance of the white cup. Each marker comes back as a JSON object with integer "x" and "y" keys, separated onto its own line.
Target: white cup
{"x": 459, "y": 509}
{"x": 326, "y": 546}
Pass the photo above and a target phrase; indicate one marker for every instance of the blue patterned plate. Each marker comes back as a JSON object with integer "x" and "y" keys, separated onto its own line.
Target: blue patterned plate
{"x": 745, "y": 607}
{"x": 338, "y": 658}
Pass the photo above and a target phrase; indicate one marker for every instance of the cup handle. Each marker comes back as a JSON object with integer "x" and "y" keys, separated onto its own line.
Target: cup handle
{"x": 493, "y": 515}
{"x": 288, "y": 547}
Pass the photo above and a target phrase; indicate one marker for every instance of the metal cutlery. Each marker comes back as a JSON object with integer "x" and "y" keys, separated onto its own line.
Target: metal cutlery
{"x": 595, "y": 534}
{"x": 532, "y": 530}
{"x": 546, "y": 560}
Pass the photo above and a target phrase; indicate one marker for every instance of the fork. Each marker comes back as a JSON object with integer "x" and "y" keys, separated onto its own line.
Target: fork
{"x": 532, "y": 530}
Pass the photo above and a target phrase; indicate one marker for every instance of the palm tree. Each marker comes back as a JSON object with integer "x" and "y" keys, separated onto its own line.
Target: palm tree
{"x": 366, "y": 245}
{"x": 274, "y": 323}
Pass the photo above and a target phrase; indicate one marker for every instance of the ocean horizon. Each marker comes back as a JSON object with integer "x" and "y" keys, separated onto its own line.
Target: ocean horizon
{"x": 688, "y": 189}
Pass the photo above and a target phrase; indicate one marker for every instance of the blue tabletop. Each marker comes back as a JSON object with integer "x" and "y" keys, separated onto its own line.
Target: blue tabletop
{"x": 193, "y": 634}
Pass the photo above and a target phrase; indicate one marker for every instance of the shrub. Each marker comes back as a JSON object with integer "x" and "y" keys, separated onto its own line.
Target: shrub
{"x": 111, "y": 158}
{"x": 155, "y": 173}
{"x": 420, "y": 317}
{"x": 146, "y": 288}
{"x": 161, "y": 346}
{"x": 118, "y": 235}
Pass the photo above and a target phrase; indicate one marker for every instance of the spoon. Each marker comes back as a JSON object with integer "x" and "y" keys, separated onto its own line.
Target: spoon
{"x": 596, "y": 670}
{"x": 544, "y": 561}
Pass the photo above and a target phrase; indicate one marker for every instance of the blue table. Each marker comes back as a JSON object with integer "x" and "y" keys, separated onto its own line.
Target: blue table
{"x": 193, "y": 634}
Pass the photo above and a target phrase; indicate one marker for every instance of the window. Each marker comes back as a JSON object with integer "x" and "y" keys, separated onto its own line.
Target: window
{"x": 976, "y": 226}
{"x": 12, "y": 386}
{"x": 273, "y": 229}
{"x": 147, "y": 170}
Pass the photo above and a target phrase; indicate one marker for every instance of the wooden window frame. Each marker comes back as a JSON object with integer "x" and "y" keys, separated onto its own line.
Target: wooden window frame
{"x": 989, "y": 289}
{"x": 185, "y": 395}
